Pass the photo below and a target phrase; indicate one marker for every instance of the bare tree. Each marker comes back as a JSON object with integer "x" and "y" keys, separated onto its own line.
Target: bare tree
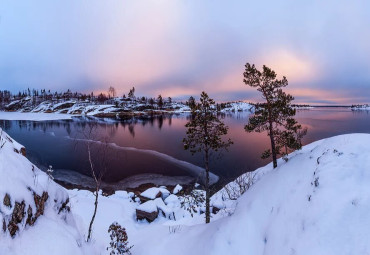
{"x": 97, "y": 158}
{"x": 112, "y": 92}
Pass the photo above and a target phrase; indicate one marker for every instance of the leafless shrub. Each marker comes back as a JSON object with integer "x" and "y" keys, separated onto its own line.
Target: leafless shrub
{"x": 174, "y": 229}
{"x": 235, "y": 189}
{"x": 193, "y": 201}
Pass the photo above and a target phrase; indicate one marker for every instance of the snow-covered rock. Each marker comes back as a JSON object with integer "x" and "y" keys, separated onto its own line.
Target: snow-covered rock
{"x": 177, "y": 189}
{"x": 154, "y": 192}
{"x": 147, "y": 211}
{"x": 237, "y": 107}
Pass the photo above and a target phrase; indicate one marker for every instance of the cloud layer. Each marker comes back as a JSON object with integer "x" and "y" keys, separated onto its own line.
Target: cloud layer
{"x": 178, "y": 48}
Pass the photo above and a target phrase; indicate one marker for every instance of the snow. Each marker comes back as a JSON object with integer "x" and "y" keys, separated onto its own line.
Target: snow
{"x": 33, "y": 116}
{"x": 177, "y": 189}
{"x": 149, "y": 206}
{"x": 238, "y": 107}
{"x": 316, "y": 203}
{"x": 172, "y": 200}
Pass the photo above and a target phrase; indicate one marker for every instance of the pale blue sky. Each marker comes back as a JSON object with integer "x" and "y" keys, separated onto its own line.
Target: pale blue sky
{"x": 178, "y": 48}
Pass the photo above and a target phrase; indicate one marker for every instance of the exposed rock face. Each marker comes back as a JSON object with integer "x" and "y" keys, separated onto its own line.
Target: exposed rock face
{"x": 23, "y": 151}
{"x": 6, "y": 201}
{"x": 17, "y": 217}
{"x": 149, "y": 216}
{"x": 40, "y": 207}
{"x": 19, "y": 212}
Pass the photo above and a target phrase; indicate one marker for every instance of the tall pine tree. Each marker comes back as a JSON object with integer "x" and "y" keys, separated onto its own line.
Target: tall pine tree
{"x": 275, "y": 114}
{"x": 204, "y": 134}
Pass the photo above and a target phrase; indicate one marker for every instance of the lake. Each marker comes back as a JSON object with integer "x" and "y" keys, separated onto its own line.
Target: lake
{"x": 154, "y": 145}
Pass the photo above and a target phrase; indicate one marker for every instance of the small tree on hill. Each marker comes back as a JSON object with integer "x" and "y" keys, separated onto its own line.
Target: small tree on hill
{"x": 160, "y": 101}
{"x": 275, "y": 114}
{"x": 191, "y": 102}
{"x": 204, "y": 134}
{"x": 131, "y": 93}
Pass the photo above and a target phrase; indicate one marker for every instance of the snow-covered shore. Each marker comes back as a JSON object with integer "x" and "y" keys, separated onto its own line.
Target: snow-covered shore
{"x": 316, "y": 203}
{"x": 24, "y": 109}
{"x": 364, "y": 107}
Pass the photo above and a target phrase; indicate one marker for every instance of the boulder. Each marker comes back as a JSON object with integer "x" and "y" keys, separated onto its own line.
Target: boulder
{"x": 153, "y": 193}
{"x": 147, "y": 211}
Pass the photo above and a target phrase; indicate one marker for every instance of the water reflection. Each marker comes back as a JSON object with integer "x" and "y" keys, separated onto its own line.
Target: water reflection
{"x": 47, "y": 142}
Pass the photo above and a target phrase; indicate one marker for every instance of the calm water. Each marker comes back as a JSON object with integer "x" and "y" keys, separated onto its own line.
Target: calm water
{"x": 53, "y": 143}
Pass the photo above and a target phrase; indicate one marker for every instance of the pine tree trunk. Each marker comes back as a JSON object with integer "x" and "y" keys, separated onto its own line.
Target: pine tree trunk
{"x": 273, "y": 149}
{"x": 208, "y": 212}
{"x": 93, "y": 217}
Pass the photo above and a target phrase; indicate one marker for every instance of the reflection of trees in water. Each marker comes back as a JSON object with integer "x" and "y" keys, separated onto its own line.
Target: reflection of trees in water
{"x": 361, "y": 112}
{"x": 5, "y": 124}
{"x": 107, "y": 126}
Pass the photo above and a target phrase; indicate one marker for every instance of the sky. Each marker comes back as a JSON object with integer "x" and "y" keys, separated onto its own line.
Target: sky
{"x": 179, "y": 48}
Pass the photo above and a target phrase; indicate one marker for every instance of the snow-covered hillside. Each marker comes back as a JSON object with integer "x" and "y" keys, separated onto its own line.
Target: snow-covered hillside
{"x": 117, "y": 108}
{"x": 316, "y": 203}
{"x": 34, "y": 210}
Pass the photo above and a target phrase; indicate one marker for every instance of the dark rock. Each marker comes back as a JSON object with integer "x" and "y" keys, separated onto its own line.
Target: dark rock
{"x": 30, "y": 220}
{"x": 141, "y": 215}
{"x": 6, "y": 201}
{"x": 13, "y": 228}
{"x": 65, "y": 206}
{"x": 215, "y": 210}
{"x": 108, "y": 192}
{"x": 23, "y": 151}
{"x": 40, "y": 203}
{"x": 4, "y": 225}
{"x": 40, "y": 207}
{"x": 18, "y": 212}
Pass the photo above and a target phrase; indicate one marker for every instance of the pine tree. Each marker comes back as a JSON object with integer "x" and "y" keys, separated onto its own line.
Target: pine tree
{"x": 160, "y": 101}
{"x": 191, "y": 102}
{"x": 275, "y": 114}
{"x": 204, "y": 134}
{"x": 131, "y": 93}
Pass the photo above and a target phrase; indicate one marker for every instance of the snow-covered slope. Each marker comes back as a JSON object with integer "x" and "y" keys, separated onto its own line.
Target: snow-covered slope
{"x": 34, "y": 210}
{"x": 316, "y": 203}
